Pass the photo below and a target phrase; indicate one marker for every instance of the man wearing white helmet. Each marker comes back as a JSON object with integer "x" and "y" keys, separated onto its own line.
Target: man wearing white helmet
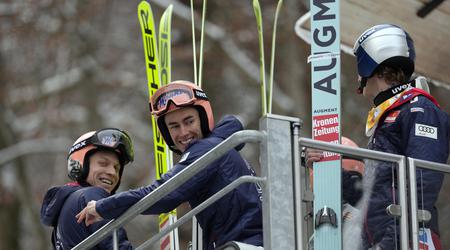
{"x": 95, "y": 164}
{"x": 185, "y": 120}
{"x": 404, "y": 120}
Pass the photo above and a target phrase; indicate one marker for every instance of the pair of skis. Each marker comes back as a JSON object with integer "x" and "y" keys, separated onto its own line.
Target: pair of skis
{"x": 266, "y": 94}
{"x": 197, "y": 232}
{"x": 326, "y": 109}
{"x": 158, "y": 69}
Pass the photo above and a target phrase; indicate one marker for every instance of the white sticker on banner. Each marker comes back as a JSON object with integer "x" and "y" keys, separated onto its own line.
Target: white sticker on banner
{"x": 426, "y": 131}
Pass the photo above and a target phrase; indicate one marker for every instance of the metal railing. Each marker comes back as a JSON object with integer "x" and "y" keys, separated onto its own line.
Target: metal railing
{"x": 412, "y": 167}
{"x": 201, "y": 207}
{"x": 402, "y": 178}
{"x": 282, "y": 185}
{"x": 175, "y": 182}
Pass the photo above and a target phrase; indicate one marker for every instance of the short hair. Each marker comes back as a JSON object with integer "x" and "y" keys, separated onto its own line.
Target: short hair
{"x": 392, "y": 76}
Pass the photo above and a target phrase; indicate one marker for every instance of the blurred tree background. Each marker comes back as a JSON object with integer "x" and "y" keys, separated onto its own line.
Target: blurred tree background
{"x": 68, "y": 67}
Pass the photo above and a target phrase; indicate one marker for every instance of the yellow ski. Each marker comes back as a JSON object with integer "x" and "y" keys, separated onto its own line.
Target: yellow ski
{"x": 152, "y": 65}
{"x": 165, "y": 76}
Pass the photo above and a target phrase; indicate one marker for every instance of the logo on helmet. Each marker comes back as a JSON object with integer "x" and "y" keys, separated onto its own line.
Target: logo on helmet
{"x": 200, "y": 94}
{"x": 109, "y": 141}
{"x": 77, "y": 146}
{"x": 74, "y": 169}
{"x": 367, "y": 34}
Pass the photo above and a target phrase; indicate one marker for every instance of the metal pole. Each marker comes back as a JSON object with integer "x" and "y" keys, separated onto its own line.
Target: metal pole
{"x": 277, "y": 166}
{"x": 359, "y": 153}
{"x": 403, "y": 203}
{"x": 432, "y": 166}
{"x": 115, "y": 240}
{"x": 413, "y": 203}
{"x": 300, "y": 230}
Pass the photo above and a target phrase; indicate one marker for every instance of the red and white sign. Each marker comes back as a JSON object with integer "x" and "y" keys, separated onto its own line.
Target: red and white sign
{"x": 326, "y": 128}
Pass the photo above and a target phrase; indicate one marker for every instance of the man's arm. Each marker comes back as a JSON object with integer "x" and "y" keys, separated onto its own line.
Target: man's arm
{"x": 426, "y": 139}
{"x": 92, "y": 225}
{"x": 115, "y": 205}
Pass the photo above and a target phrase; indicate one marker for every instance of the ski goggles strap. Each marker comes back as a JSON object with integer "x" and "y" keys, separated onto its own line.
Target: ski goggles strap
{"x": 109, "y": 138}
{"x": 180, "y": 95}
{"x": 362, "y": 83}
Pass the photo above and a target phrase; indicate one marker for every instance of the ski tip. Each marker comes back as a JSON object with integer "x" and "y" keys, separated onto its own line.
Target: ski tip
{"x": 256, "y": 4}
{"x": 280, "y": 2}
{"x": 142, "y": 4}
{"x": 167, "y": 12}
{"x": 143, "y": 8}
{"x": 169, "y": 9}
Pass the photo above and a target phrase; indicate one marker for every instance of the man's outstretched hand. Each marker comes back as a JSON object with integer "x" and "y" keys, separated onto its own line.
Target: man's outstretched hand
{"x": 89, "y": 215}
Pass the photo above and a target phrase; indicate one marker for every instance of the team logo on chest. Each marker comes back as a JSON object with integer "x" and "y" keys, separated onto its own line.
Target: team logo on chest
{"x": 392, "y": 116}
{"x": 426, "y": 131}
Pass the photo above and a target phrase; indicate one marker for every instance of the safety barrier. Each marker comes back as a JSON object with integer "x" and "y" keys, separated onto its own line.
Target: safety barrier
{"x": 278, "y": 151}
{"x": 283, "y": 185}
{"x": 412, "y": 166}
{"x": 175, "y": 182}
{"x": 403, "y": 175}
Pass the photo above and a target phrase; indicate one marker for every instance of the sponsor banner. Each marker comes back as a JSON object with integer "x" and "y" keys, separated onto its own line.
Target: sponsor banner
{"x": 326, "y": 128}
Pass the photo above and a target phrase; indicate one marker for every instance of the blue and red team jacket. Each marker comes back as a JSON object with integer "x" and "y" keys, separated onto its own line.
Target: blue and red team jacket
{"x": 59, "y": 208}
{"x": 417, "y": 128}
{"x": 236, "y": 216}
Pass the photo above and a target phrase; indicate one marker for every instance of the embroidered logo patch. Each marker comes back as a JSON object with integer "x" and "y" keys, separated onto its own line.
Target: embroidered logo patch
{"x": 392, "y": 116}
{"x": 406, "y": 96}
{"x": 426, "y": 131}
{"x": 415, "y": 99}
{"x": 184, "y": 157}
{"x": 417, "y": 109}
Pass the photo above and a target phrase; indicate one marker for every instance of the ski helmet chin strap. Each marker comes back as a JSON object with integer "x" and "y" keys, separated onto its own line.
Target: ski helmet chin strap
{"x": 362, "y": 84}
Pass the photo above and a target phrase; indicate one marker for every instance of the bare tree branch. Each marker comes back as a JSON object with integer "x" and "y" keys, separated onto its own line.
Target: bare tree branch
{"x": 52, "y": 85}
{"x": 44, "y": 145}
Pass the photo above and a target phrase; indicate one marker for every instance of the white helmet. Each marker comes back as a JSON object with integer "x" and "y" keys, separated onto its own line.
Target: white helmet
{"x": 384, "y": 44}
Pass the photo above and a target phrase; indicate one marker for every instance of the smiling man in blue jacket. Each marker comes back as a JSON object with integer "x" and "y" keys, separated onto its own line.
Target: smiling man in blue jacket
{"x": 185, "y": 120}
{"x": 95, "y": 164}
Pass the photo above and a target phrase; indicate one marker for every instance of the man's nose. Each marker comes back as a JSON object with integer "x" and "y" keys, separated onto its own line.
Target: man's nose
{"x": 183, "y": 130}
{"x": 111, "y": 170}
